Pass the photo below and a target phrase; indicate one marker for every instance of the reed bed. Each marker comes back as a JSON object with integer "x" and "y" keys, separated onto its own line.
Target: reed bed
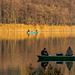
{"x": 45, "y": 28}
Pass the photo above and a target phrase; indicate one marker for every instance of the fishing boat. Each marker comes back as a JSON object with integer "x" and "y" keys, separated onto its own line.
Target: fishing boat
{"x": 55, "y": 58}
{"x": 33, "y": 32}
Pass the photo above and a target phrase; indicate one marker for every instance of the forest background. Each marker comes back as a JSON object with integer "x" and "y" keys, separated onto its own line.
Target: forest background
{"x": 37, "y": 12}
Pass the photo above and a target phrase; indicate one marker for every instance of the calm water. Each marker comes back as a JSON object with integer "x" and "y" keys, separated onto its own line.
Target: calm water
{"x": 18, "y": 52}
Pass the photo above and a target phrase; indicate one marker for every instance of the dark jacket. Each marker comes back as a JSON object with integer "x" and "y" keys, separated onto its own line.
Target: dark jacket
{"x": 69, "y": 52}
{"x": 44, "y": 52}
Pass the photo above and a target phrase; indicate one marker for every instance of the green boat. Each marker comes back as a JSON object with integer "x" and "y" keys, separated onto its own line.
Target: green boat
{"x": 33, "y": 32}
{"x": 55, "y": 58}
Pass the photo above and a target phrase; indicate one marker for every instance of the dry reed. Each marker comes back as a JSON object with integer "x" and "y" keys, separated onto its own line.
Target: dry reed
{"x": 47, "y": 28}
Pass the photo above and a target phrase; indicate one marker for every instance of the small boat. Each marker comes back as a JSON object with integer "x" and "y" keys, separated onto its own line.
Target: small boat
{"x": 33, "y": 32}
{"x": 55, "y": 58}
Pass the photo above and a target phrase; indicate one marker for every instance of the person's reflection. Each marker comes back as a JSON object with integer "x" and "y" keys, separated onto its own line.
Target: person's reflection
{"x": 69, "y": 65}
{"x": 44, "y": 64}
{"x": 28, "y": 34}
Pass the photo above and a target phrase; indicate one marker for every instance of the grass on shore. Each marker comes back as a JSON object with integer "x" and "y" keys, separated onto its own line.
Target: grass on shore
{"x": 22, "y": 27}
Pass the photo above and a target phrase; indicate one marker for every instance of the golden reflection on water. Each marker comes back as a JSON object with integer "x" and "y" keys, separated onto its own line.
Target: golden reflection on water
{"x": 18, "y": 49}
{"x": 24, "y": 35}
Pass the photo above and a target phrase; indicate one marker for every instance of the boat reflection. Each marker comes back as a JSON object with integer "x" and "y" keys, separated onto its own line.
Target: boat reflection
{"x": 48, "y": 69}
{"x": 68, "y": 64}
{"x": 59, "y": 62}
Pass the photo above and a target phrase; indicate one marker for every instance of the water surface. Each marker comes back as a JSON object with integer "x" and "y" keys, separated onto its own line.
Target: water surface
{"x": 18, "y": 51}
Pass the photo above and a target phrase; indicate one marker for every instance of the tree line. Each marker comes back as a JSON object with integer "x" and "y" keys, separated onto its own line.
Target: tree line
{"x": 49, "y": 12}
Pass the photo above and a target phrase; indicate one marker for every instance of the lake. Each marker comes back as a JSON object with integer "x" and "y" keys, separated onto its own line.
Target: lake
{"x": 18, "y": 52}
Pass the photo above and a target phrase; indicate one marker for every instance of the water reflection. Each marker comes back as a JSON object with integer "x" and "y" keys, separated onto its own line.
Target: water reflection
{"x": 24, "y": 35}
{"x": 59, "y": 62}
{"x": 44, "y": 64}
{"x": 10, "y": 71}
{"x": 18, "y": 50}
{"x": 69, "y": 65}
{"x": 47, "y": 69}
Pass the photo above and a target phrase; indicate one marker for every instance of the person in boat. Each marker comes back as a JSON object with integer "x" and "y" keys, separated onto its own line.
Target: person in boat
{"x": 28, "y": 30}
{"x": 69, "y": 52}
{"x": 36, "y": 31}
{"x": 44, "y": 52}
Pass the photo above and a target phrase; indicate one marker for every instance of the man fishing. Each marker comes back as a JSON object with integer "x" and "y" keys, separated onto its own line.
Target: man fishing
{"x": 69, "y": 52}
{"x": 44, "y": 52}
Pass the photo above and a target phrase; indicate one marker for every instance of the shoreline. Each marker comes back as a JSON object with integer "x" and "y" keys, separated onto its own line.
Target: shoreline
{"x": 43, "y": 28}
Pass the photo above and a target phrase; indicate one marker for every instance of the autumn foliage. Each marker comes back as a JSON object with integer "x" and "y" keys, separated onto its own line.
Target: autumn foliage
{"x": 41, "y": 12}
